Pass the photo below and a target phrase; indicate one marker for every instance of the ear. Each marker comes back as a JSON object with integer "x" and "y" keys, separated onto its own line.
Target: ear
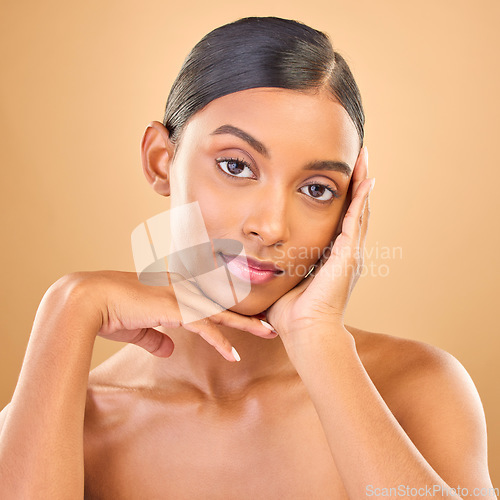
{"x": 157, "y": 151}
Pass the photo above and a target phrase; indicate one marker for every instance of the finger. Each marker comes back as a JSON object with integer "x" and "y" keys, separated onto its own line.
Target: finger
{"x": 186, "y": 293}
{"x": 365, "y": 218}
{"x": 249, "y": 324}
{"x": 351, "y": 227}
{"x": 355, "y": 226}
{"x": 360, "y": 172}
{"x": 345, "y": 206}
{"x": 154, "y": 342}
{"x": 365, "y": 215}
{"x": 207, "y": 330}
{"x": 325, "y": 254}
{"x": 194, "y": 299}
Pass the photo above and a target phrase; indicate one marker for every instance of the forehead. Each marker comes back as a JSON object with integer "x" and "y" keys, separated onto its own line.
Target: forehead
{"x": 285, "y": 121}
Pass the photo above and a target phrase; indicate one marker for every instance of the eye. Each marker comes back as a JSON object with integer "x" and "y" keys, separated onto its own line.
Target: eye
{"x": 235, "y": 167}
{"x": 320, "y": 192}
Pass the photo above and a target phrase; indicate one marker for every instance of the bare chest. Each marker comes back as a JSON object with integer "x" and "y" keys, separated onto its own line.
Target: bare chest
{"x": 248, "y": 449}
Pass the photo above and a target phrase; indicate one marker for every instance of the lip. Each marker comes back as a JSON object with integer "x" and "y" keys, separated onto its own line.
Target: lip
{"x": 250, "y": 269}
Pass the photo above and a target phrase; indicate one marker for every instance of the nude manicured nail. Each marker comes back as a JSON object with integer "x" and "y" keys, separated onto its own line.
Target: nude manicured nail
{"x": 267, "y": 325}
{"x": 235, "y": 354}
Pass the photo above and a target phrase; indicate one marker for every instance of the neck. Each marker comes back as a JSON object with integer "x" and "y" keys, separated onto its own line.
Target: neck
{"x": 197, "y": 363}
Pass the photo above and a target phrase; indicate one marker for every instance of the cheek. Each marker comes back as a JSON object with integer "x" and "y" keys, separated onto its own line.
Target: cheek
{"x": 312, "y": 238}
{"x": 220, "y": 218}
{"x": 187, "y": 176}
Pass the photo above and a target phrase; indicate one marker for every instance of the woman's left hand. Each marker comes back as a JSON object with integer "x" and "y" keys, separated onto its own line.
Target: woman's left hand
{"x": 322, "y": 297}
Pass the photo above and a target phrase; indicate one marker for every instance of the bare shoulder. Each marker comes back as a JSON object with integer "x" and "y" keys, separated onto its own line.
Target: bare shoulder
{"x": 387, "y": 356}
{"x": 405, "y": 369}
{"x": 433, "y": 398}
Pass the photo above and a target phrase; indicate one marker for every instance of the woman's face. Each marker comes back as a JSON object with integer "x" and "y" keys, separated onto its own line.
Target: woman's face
{"x": 265, "y": 166}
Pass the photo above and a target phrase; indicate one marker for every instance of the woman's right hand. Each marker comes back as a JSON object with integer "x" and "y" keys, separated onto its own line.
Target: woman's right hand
{"x": 131, "y": 310}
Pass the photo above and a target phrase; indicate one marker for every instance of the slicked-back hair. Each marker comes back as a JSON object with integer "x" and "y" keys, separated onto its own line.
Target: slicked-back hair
{"x": 260, "y": 52}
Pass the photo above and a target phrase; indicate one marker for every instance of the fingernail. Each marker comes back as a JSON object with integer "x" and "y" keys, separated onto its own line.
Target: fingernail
{"x": 372, "y": 184}
{"x": 266, "y": 324}
{"x": 235, "y": 354}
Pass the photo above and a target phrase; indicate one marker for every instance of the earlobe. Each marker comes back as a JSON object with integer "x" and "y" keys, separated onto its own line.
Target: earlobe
{"x": 157, "y": 151}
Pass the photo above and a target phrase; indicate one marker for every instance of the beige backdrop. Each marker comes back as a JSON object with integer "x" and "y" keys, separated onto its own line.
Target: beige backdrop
{"x": 80, "y": 82}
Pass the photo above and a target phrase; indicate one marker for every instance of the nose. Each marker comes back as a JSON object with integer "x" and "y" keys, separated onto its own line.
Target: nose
{"x": 267, "y": 217}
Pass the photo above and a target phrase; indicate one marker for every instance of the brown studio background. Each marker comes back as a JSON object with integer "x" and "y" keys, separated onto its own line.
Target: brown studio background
{"x": 80, "y": 82}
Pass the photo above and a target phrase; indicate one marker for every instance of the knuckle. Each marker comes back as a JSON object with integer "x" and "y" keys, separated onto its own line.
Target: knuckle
{"x": 154, "y": 343}
{"x": 139, "y": 337}
{"x": 207, "y": 330}
{"x": 206, "y": 323}
{"x": 147, "y": 340}
{"x": 218, "y": 318}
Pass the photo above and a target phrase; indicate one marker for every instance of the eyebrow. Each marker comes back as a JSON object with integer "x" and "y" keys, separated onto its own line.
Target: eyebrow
{"x": 338, "y": 166}
{"x": 332, "y": 165}
{"x": 231, "y": 129}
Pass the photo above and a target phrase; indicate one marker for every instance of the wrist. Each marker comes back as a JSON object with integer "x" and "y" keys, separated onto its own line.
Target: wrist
{"x": 73, "y": 297}
{"x": 308, "y": 341}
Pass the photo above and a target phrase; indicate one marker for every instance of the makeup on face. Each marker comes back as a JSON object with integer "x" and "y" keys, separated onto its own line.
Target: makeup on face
{"x": 249, "y": 269}
{"x": 270, "y": 170}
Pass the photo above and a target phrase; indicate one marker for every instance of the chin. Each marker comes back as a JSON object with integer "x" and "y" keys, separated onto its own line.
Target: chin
{"x": 251, "y": 306}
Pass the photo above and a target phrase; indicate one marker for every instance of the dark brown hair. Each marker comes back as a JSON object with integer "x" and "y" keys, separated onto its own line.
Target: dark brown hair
{"x": 260, "y": 52}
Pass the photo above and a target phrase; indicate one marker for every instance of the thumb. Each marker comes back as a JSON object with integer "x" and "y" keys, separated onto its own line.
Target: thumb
{"x": 154, "y": 342}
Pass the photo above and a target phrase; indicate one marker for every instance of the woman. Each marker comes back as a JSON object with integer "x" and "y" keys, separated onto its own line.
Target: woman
{"x": 263, "y": 131}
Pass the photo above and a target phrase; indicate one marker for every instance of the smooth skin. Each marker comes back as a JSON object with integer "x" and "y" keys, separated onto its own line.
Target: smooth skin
{"x": 323, "y": 410}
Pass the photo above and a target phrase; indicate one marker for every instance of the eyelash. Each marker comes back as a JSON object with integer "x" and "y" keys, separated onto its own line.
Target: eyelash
{"x": 234, "y": 160}
{"x": 335, "y": 193}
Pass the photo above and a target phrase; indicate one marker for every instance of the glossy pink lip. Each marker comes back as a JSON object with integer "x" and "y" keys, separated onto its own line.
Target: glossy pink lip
{"x": 250, "y": 269}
